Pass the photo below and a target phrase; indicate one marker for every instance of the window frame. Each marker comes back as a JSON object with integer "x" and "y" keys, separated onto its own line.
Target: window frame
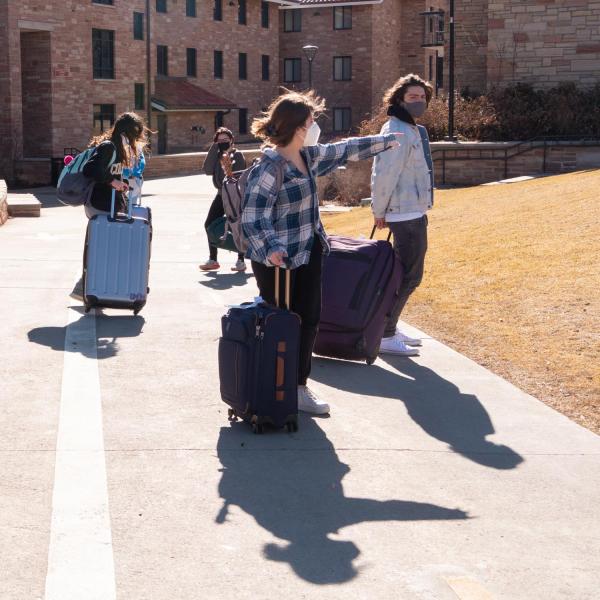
{"x": 161, "y": 6}
{"x": 345, "y": 12}
{"x": 191, "y": 53}
{"x": 99, "y": 71}
{"x": 218, "y": 10}
{"x": 294, "y": 62}
{"x": 102, "y": 117}
{"x": 293, "y": 24}
{"x": 104, "y": 2}
{"x": 191, "y": 4}
{"x": 218, "y": 73}
{"x": 346, "y": 60}
{"x": 265, "y": 66}
{"x": 138, "y": 20}
{"x": 242, "y": 12}
{"x": 345, "y": 110}
{"x": 161, "y": 59}
{"x": 265, "y": 14}
{"x": 242, "y": 66}
{"x": 243, "y": 112}
{"x": 139, "y": 93}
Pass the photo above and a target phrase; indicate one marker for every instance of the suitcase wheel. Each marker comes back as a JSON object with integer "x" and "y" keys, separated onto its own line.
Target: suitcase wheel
{"x": 231, "y": 415}
{"x": 371, "y": 360}
{"x": 291, "y": 426}
{"x": 257, "y": 428}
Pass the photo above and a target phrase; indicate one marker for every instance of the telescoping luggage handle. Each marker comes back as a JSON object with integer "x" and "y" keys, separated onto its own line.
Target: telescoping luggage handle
{"x": 287, "y": 287}
{"x": 389, "y": 237}
{"x": 113, "y": 215}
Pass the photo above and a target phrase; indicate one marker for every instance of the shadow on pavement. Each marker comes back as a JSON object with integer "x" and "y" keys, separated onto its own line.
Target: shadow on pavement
{"x": 434, "y": 403}
{"x": 293, "y": 488}
{"x": 225, "y": 281}
{"x": 109, "y": 328}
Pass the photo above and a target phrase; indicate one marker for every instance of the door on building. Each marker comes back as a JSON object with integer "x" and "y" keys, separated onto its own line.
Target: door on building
{"x": 161, "y": 124}
{"x": 439, "y": 73}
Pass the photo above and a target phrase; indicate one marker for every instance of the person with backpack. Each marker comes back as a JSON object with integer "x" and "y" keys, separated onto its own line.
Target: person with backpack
{"x": 402, "y": 193}
{"x": 116, "y": 149}
{"x": 222, "y": 145}
{"x": 282, "y": 224}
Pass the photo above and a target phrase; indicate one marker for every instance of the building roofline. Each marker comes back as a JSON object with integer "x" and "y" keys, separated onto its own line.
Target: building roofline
{"x": 289, "y": 4}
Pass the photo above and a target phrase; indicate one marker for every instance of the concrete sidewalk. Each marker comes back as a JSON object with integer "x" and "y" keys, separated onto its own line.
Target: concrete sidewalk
{"x": 432, "y": 479}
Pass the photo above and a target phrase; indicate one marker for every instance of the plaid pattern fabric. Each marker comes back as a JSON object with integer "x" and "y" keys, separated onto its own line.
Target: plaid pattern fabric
{"x": 287, "y": 220}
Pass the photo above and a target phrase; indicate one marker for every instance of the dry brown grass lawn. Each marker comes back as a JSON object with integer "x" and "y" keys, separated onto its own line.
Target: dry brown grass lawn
{"x": 512, "y": 280}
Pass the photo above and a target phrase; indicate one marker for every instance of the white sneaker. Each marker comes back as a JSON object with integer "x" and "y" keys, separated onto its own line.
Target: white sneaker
{"x": 240, "y": 266}
{"x": 392, "y": 345}
{"x": 407, "y": 339}
{"x": 308, "y": 402}
{"x": 210, "y": 265}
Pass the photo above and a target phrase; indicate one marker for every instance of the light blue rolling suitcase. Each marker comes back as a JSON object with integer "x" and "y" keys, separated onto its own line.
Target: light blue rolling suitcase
{"x": 117, "y": 260}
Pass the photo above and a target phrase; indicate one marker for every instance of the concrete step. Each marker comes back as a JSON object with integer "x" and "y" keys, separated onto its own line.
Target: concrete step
{"x": 23, "y": 205}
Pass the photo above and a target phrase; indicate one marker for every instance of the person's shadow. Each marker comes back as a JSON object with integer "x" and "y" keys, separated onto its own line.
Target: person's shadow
{"x": 434, "y": 403}
{"x": 296, "y": 494}
{"x": 109, "y": 328}
{"x": 225, "y": 281}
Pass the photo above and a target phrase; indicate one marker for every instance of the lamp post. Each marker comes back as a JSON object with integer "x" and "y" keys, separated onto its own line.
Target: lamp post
{"x": 310, "y": 52}
{"x": 451, "y": 137}
{"x": 148, "y": 69}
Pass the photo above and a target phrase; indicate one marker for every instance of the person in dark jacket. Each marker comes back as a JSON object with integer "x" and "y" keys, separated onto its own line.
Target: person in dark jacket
{"x": 222, "y": 143}
{"x": 116, "y": 149}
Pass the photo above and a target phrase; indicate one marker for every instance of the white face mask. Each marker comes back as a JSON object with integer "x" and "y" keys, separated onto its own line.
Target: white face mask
{"x": 312, "y": 135}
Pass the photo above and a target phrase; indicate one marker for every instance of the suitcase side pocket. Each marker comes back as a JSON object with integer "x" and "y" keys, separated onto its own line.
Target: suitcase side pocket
{"x": 234, "y": 363}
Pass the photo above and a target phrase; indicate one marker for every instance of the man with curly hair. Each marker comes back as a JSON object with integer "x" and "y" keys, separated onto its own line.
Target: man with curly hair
{"x": 402, "y": 193}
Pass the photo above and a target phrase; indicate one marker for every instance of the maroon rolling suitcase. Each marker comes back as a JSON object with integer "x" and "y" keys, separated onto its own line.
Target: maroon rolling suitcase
{"x": 360, "y": 283}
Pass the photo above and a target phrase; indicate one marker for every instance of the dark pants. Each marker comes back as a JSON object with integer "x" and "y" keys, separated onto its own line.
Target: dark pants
{"x": 215, "y": 212}
{"x": 410, "y": 245}
{"x": 305, "y": 299}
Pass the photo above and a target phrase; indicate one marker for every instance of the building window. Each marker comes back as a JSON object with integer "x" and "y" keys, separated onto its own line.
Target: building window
{"x": 138, "y": 26}
{"x": 266, "y": 67}
{"x": 104, "y": 117}
{"x": 242, "y": 12}
{"x": 433, "y": 30}
{"x": 218, "y": 64}
{"x": 140, "y": 96}
{"x": 342, "y": 17}
{"x": 243, "y": 124}
{"x": 218, "y": 10}
{"x": 342, "y": 68}
{"x": 162, "y": 60}
{"x": 264, "y": 14}
{"x": 292, "y": 20}
{"x": 243, "y": 65}
{"x": 191, "y": 62}
{"x": 109, "y": 2}
{"x": 292, "y": 70}
{"x": 219, "y": 120}
{"x": 342, "y": 119}
{"x": 190, "y": 8}
{"x": 103, "y": 50}
{"x": 161, "y": 6}
{"x": 439, "y": 72}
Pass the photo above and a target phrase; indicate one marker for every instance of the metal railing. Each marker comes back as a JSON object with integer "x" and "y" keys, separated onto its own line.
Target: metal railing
{"x": 511, "y": 151}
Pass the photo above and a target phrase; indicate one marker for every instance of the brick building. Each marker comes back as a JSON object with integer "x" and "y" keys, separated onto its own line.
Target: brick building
{"x": 69, "y": 67}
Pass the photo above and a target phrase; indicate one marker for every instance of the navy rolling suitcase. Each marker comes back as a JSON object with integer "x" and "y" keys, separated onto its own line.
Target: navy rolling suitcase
{"x": 117, "y": 260}
{"x": 258, "y": 363}
{"x": 360, "y": 283}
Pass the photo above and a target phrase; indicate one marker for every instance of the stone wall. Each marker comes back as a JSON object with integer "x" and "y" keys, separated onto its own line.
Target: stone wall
{"x": 352, "y": 183}
{"x": 174, "y": 165}
{"x": 6, "y": 129}
{"x": 3, "y": 203}
{"x": 544, "y": 42}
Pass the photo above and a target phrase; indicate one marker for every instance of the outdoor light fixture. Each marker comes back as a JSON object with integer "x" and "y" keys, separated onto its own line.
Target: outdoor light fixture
{"x": 310, "y": 52}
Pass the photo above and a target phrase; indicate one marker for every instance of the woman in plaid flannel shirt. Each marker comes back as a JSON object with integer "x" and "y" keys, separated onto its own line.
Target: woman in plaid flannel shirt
{"x": 283, "y": 226}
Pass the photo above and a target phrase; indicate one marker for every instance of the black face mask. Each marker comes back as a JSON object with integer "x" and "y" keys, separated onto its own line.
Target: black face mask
{"x": 224, "y": 146}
